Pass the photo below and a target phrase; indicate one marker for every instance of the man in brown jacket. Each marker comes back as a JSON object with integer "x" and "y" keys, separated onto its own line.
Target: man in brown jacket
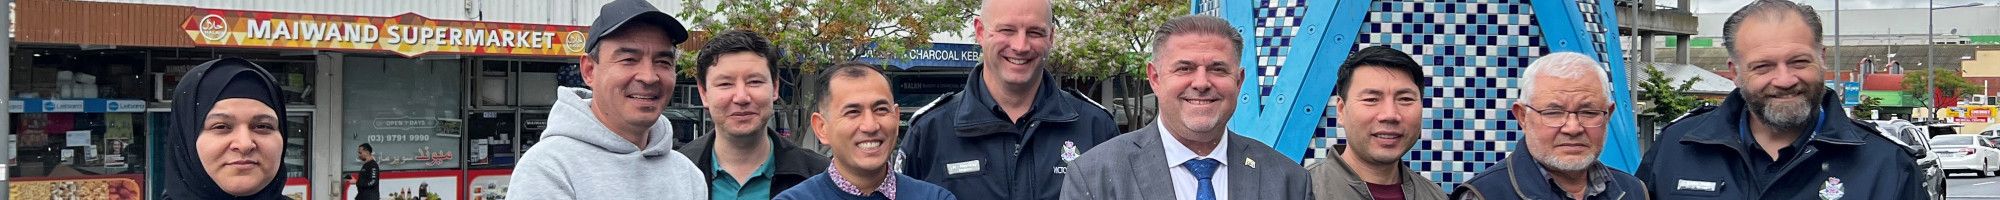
{"x": 1381, "y": 116}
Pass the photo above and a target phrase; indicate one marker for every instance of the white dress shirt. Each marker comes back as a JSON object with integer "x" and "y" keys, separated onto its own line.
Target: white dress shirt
{"x": 1185, "y": 185}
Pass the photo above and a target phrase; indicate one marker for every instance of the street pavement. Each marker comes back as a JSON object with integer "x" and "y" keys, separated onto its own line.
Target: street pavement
{"x": 1967, "y": 186}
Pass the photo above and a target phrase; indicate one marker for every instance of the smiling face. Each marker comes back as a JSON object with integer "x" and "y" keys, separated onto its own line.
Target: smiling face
{"x": 1014, "y": 37}
{"x": 1195, "y": 76}
{"x": 858, "y": 121}
{"x": 739, "y": 93}
{"x": 1381, "y": 114}
{"x": 1778, "y": 67}
{"x": 1571, "y": 146}
{"x": 240, "y": 145}
{"x": 630, "y": 77}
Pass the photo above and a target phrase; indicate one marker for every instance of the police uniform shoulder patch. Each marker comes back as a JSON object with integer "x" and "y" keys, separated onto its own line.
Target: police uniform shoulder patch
{"x": 941, "y": 99}
{"x": 1085, "y": 98}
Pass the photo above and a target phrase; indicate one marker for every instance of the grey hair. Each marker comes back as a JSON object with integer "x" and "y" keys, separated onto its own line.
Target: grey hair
{"x": 1196, "y": 24}
{"x": 1565, "y": 65}
{"x": 1763, "y": 8}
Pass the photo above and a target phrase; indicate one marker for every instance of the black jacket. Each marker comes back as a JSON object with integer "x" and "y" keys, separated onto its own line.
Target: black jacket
{"x": 1521, "y": 177}
{"x": 791, "y": 164}
{"x": 996, "y": 158}
{"x": 368, "y": 183}
{"x": 1704, "y": 156}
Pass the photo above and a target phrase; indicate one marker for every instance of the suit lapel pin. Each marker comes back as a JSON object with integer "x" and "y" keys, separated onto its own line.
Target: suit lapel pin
{"x": 1249, "y": 162}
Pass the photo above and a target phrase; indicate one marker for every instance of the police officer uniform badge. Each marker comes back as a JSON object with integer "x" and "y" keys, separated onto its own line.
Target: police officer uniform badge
{"x": 1832, "y": 189}
{"x": 1069, "y": 153}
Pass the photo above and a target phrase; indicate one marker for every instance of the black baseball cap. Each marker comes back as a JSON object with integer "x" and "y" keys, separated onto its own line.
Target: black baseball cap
{"x": 618, "y": 13}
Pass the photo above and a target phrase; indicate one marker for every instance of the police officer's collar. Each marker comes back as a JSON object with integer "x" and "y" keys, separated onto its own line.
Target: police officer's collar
{"x": 1729, "y": 119}
{"x": 972, "y": 123}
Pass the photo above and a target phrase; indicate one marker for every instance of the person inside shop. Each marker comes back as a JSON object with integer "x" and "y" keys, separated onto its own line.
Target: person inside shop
{"x": 368, "y": 182}
{"x": 742, "y": 158}
{"x": 224, "y": 140}
{"x": 609, "y": 141}
{"x": 857, "y": 117}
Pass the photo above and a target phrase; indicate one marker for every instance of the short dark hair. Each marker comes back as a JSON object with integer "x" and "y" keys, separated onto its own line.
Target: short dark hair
{"x": 733, "y": 41}
{"x": 1763, "y": 7}
{"x": 1380, "y": 56}
{"x": 849, "y": 69}
{"x": 1196, "y": 24}
{"x": 366, "y": 147}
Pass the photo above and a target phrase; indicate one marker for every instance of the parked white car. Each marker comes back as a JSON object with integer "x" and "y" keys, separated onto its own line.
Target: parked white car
{"x": 1967, "y": 153}
{"x": 1917, "y": 139}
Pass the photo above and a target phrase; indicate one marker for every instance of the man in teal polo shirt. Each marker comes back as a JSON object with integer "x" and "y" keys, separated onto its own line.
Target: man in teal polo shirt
{"x": 741, "y": 157}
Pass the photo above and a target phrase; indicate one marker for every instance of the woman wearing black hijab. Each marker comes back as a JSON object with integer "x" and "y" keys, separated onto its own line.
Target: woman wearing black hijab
{"x": 225, "y": 139}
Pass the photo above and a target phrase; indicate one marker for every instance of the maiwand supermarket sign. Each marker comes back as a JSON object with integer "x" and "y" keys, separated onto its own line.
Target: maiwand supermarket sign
{"x": 409, "y": 35}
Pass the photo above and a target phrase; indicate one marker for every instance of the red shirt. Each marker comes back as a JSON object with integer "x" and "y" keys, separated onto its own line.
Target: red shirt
{"x": 1386, "y": 192}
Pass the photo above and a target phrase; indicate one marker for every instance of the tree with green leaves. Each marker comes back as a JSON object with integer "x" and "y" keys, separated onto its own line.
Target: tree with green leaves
{"x": 1099, "y": 39}
{"x": 1866, "y": 110}
{"x": 1669, "y": 99}
{"x": 1948, "y": 83}
{"x": 814, "y": 33}
{"x": 811, "y": 34}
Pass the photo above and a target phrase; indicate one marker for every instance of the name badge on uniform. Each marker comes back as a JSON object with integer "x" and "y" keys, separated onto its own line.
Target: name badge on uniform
{"x": 962, "y": 167}
{"x": 1693, "y": 185}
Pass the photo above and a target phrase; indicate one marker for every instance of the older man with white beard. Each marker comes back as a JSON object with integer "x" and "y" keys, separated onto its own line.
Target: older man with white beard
{"x": 1563, "y": 108}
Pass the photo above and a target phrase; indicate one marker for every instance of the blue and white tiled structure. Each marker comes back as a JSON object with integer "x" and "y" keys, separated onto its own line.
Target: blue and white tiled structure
{"x": 1474, "y": 52}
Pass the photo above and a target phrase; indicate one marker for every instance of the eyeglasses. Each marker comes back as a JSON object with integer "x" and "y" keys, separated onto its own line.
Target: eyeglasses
{"x": 1558, "y": 118}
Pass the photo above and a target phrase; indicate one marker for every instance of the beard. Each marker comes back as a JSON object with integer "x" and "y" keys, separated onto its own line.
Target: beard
{"x": 1552, "y": 160}
{"x": 1786, "y": 114}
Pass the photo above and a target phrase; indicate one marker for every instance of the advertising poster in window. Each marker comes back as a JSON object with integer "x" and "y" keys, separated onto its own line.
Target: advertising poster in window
{"x": 406, "y": 109}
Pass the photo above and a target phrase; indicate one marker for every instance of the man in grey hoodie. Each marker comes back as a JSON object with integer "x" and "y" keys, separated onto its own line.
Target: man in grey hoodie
{"x": 609, "y": 141}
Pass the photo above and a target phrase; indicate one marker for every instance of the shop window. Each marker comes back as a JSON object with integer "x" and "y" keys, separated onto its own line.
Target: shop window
{"x": 294, "y": 74}
{"x": 407, "y": 109}
{"x": 79, "y": 123}
{"x": 492, "y": 135}
{"x": 508, "y": 83}
{"x": 79, "y": 74}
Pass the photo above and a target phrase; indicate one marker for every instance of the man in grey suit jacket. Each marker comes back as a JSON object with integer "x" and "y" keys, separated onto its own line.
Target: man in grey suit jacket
{"x": 1187, "y": 153}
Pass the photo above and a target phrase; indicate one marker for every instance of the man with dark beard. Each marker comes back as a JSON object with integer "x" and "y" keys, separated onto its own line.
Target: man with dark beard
{"x": 1780, "y": 135}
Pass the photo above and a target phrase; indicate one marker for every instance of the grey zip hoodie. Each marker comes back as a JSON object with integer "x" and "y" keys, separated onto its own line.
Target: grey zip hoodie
{"x": 578, "y": 158}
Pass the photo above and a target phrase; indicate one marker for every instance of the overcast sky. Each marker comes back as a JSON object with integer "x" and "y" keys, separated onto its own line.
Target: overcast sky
{"x": 1724, "y": 6}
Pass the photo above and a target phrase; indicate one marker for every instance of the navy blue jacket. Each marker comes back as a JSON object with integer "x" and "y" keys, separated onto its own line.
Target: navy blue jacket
{"x": 1705, "y": 156}
{"x": 1521, "y": 177}
{"x": 821, "y": 187}
{"x": 964, "y": 142}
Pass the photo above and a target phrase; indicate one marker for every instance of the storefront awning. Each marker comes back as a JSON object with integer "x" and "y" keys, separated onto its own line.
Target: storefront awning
{"x": 939, "y": 55}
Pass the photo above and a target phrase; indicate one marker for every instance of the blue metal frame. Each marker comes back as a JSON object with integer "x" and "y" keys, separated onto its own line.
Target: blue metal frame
{"x": 1287, "y": 117}
{"x": 1622, "y": 139}
{"x": 1297, "y": 107}
{"x": 1562, "y": 25}
{"x": 1249, "y": 102}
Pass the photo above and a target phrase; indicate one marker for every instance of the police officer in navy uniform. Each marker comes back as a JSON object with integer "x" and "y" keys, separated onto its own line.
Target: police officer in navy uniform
{"x": 1011, "y": 132}
{"x": 1781, "y": 134}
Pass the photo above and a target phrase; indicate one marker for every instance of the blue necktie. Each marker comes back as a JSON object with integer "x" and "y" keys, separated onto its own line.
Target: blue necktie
{"x": 1203, "y": 169}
